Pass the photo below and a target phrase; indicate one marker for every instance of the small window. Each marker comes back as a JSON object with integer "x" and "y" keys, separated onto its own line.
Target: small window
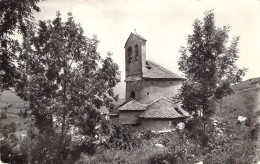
{"x": 136, "y": 52}
{"x": 132, "y": 95}
{"x": 147, "y": 93}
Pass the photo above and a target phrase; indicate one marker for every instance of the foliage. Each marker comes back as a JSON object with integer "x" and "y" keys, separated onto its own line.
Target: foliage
{"x": 104, "y": 126}
{"x": 6, "y": 150}
{"x": 64, "y": 77}
{"x": 180, "y": 147}
{"x": 13, "y": 15}
{"x": 254, "y": 132}
{"x": 209, "y": 66}
{"x": 10, "y": 127}
{"x": 140, "y": 154}
{"x": 147, "y": 135}
{"x": 123, "y": 137}
{"x": 46, "y": 147}
{"x": 196, "y": 131}
{"x": 5, "y": 133}
{"x": 3, "y": 115}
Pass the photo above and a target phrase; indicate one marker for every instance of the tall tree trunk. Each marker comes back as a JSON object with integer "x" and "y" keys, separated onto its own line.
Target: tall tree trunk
{"x": 62, "y": 141}
{"x": 63, "y": 129}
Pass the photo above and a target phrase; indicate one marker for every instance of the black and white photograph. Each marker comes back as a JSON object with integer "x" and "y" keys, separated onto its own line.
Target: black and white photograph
{"x": 130, "y": 81}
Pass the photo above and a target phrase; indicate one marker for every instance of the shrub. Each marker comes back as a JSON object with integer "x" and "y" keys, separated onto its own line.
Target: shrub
{"x": 3, "y": 115}
{"x": 194, "y": 129}
{"x": 254, "y": 132}
{"x": 6, "y": 151}
{"x": 12, "y": 127}
{"x": 164, "y": 158}
{"x": 105, "y": 126}
{"x": 14, "y": 139}
{"x": 123, "y": 137}
{"x": 5, "y": 133}
{"x": 147, "y": 135}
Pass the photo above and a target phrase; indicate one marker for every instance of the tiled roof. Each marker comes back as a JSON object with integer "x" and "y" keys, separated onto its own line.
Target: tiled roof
{"x": 155, "y": 71}
{"x": 163, "y": 108}
{"x": 132, "y": 105}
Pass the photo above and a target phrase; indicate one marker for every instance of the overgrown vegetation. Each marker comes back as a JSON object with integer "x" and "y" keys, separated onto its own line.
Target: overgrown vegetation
{"x": 190, "y": 145}
{"x": 62, "y": 76}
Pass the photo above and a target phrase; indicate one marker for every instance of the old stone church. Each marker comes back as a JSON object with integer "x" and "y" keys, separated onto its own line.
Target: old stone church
{"x": 149, "y": 91}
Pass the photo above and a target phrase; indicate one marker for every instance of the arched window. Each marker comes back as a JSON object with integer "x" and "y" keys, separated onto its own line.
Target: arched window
{"x": 132, "y": 95}
{"x": 129, "y": 53}
{"x": 136, "y": 52}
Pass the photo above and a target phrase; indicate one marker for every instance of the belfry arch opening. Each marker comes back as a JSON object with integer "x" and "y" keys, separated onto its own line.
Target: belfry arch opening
{"x": 129, "y": 53}
{"x": 132, "y": 94}
{"x": 136, "y": 52}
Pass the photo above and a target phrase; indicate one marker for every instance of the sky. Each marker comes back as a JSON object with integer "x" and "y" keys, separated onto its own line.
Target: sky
{"x": 165, "y": 24}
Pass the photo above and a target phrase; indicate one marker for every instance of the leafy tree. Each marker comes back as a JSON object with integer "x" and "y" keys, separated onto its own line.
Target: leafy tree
{"x": 14, "y": 15}
{"x": 68, "y": 79}
{"x": 208, "y": 63}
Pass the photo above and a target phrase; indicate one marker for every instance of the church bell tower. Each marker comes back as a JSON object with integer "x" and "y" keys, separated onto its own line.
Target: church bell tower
{"x": 135, "y": 57}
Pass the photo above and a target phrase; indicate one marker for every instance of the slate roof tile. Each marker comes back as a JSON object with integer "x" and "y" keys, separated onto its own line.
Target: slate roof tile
{"x": 155, "y": 71}
{"x": 132, "y": 105}
{"x": 164, "y": 108}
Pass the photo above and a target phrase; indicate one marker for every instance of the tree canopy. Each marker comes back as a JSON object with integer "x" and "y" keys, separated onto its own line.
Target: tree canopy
{"x": 209, "y": 65}
{"x": 14, "y": 17}
{"x": 67, "y": 78}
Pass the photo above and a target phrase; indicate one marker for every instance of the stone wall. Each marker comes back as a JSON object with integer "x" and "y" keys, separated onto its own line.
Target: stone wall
{"x": 147, "y": 91}
{"x": 129, "y": 117}
{"x": 157, "y": 124}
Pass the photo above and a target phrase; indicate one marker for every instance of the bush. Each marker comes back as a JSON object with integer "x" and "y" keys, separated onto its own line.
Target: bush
{"x": 14, "y": 139}
{"x": 5, "y": 133}
{"x": 6, "y": 151}
{"x": 105, "y": 126}
{"x": 195, "y": 130}
{"x": 255, "y": 132}
{"x": 123, "y": 137}
{"x": 3, "y": 115}
{"x": 12, "y": 127}
{"x": 147, "y": 135}
{"x": 165, "y": 158}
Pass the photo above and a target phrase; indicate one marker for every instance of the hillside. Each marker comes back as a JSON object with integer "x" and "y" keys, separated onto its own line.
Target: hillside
{"x": 11, "y": 105}
{"x": 245, "y": 101}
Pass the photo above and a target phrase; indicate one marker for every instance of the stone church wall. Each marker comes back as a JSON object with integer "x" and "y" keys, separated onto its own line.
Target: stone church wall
{"x": 147, "y": 91}
{"x": 129, "y": 117}
{"x": 158, "y": 124}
